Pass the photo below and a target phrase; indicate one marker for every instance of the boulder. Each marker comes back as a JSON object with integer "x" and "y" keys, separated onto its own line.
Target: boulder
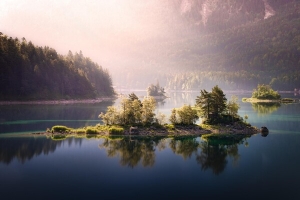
{"x": 133, "y": 130}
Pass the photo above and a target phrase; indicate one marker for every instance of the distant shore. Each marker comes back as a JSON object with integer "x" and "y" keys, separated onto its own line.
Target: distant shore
{"x": 62, "y": 101}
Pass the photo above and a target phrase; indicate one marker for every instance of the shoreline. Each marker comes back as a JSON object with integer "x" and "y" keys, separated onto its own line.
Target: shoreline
{"x": 283, "y": 100}
{"x": 54, "y": 102}
{"x": 177, "y": 131}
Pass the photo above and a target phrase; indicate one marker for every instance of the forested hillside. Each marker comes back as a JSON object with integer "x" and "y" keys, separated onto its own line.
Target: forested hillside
{"x": 237, "y": 44}
{"x": 30, "y": 72}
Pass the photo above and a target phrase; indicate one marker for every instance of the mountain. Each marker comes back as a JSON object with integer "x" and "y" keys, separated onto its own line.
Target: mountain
{"x": 30, "y": 72}
{"x": 235, "y": 43}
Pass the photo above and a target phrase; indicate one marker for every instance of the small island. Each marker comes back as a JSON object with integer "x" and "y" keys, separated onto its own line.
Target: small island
{"x": 264, "y": 93}
{"x": 136, "y": 117}
{"x": 156, "y": 91}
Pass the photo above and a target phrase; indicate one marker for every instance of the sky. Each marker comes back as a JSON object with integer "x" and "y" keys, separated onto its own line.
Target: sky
{"x": 101, "y": 29}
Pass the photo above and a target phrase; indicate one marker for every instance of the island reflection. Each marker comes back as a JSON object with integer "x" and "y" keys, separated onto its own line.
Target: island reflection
{"x": 265, "y": 108}
{"x": 133, "y": 151}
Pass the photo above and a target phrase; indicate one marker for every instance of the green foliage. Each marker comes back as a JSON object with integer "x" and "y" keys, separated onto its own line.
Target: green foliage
{"x": 131, "y": 111}
{"x": 214, "y": 108}
{"x": 186, "y": 115}
{"x": 32, "y": 72}
{"x": 265, "y": 92}
{"x": 233, "y": 106}
{"x": 116, "y": 130}
{"x": 170, "y": 127}
{"x": 80, "y": 131}
{"x": 173, "y": 117}
{"x": 91, "y": 131}
{"x": 111, "y": 116}
{"x": 147, "y": 115}
{"x": 161, "y": 118}
{"x": 60, "y": 129}
{"x": 211, "y": 104}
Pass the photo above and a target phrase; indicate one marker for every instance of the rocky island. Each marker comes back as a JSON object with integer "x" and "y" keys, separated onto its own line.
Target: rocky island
{"x": 136, "y": 117}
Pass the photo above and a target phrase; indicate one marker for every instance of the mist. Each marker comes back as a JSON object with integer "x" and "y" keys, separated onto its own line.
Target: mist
{"x": 137, "y": 41}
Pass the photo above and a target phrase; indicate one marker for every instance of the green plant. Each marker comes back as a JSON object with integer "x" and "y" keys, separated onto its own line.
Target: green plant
{"x": 60, "y": 129}
{"x": 170, "y": 127}
{"x": 91, "y": 131}
{"x": 115, "y": 130}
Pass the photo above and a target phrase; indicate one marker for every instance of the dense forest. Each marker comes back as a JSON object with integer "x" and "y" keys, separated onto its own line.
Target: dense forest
{"x": 29, "y": 72}
{"x": 238, "y": 45}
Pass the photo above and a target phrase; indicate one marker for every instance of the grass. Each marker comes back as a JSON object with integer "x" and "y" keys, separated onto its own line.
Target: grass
{"x": 116, "y": 130}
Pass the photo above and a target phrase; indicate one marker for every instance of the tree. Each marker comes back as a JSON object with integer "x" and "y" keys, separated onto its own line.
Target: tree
{"x": 187, "y": 115}
{"x": 161, "y": 118}
{"x": 265, "y": 92}
{"x": 148, "y": 109}
{"x": 173, "y": 116}
{"x": 155, "y": 90}
{"x": 233, "y": 106}
{"x": 111, "y": 116}
{"x": 204, "y": 102}
{"x": 212, "y": 105}
{"x": 219, "y": 103}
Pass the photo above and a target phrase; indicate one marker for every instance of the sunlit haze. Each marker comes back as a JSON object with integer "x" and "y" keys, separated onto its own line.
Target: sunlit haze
{"x": 140, "y": 42}
{"x": 98, "y": 28}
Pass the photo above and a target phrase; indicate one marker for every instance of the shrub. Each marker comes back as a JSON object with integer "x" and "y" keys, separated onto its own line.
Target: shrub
{"x": 115, "y": 131}
{"x": 60, "y": 129}
{"x": 170, "y": 127}
{"x": 80, "y": 131}
{"x": 91, "y": 131}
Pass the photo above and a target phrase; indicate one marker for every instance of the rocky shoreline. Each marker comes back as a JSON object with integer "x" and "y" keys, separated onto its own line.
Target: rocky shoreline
{"x": 192, "y": 130}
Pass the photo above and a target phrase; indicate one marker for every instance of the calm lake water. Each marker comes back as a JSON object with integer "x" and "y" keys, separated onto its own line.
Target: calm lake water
{"x": 144, "y": 168}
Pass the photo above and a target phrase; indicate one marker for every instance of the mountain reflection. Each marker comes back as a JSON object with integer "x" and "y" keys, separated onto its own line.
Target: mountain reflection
{"x": 25, "y": 148}
{"x": 265, "y": 108}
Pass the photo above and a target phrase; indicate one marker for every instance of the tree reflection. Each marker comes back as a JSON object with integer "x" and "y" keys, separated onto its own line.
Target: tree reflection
{"x": 184, "y": 146}
{"x": 137, "y": 150}
{"x": 25, "y": 148}
{"x": 132, "y": 150}
{"x": 265, "y": 108}
{"x": 213, "y": 155}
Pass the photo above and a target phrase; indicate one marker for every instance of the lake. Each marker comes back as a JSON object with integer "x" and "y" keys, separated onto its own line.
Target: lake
{"x": 147, "y": 168}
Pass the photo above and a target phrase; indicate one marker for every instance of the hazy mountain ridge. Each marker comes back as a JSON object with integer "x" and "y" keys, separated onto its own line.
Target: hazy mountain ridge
{"x": 258, "y": 50}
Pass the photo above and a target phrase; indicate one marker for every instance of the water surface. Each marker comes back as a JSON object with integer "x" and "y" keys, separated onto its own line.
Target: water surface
{"x": 134, "y": 168}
